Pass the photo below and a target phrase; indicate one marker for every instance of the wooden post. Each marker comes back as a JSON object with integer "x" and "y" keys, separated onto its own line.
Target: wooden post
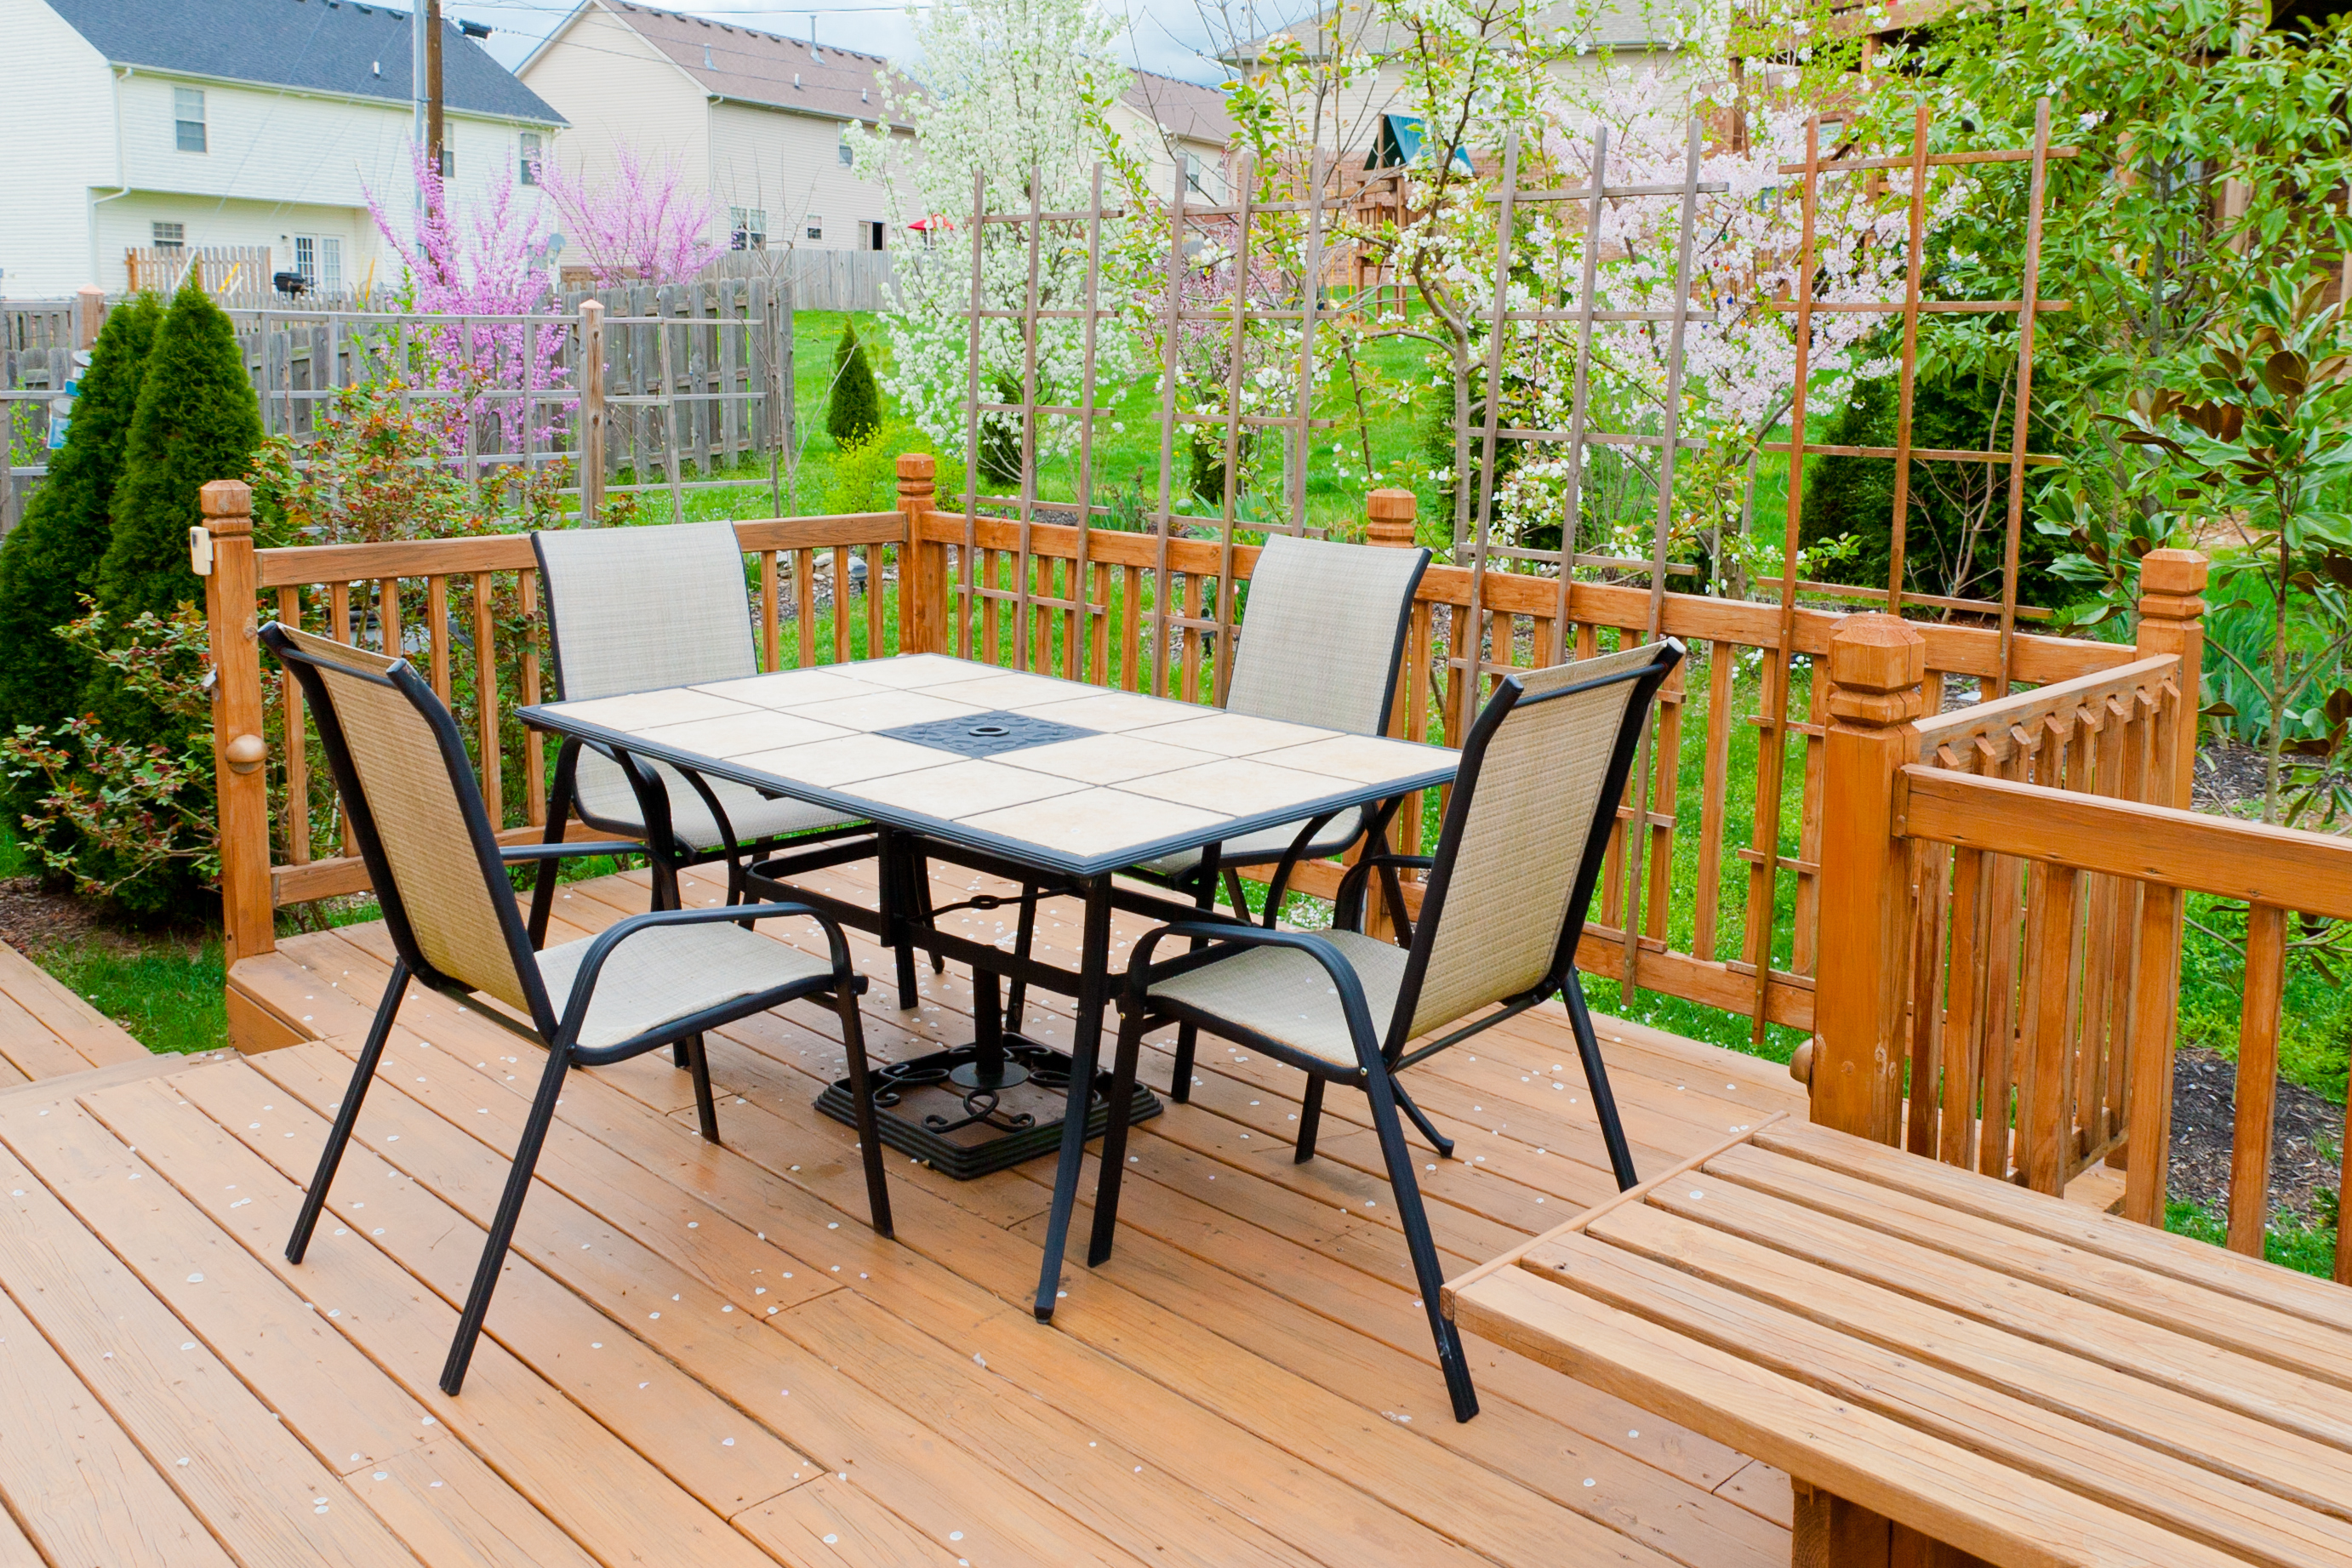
{"x": 1877, "y": 663}
{"x": 248, "y": 916}
{"x": 89, "y": 315}
{"x": 2171, "y": 620}
{"x": 922, "y": 567}
{"x": 592, "y": 413}
{"x": 1389, "y": 518}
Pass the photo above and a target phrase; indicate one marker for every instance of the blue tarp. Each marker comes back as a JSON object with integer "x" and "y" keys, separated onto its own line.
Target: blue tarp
{"x": 1399, "y": 142}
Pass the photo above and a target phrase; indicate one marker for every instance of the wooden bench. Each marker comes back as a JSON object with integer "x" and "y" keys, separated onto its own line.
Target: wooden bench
{"x": 1953, "y": 1370}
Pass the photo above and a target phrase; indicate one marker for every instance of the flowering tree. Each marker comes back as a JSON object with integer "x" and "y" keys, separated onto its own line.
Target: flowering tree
{"x": 1012, "y": 93}
{"x": 640, "y": 226}
{"x": 482, "y": 262}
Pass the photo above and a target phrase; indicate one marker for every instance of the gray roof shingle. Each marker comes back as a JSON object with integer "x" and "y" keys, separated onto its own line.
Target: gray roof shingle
{"x": 312, "y": 46}
{"x": 751, "y": 65}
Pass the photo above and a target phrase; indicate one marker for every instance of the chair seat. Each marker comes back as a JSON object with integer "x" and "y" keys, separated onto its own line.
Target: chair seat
{"x": 1267, "y": 845}
{"x": 1289, "y": 997}
{"x": 605, "y": 798}
{"x": 670, "y": 972}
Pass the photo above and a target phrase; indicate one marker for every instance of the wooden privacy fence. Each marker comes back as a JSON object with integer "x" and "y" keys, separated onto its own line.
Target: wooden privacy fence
{"x": 2003, "y": 900}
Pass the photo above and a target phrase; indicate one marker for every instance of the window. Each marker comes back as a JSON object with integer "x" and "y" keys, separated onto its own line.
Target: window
{"x": 875, "y": 235}
{"x": 188, "y": 119}
{"x": 747, "y": 228}
{"x": 448, "y": 155}
{"x": 330, "y": 263}
{"x": 815, "y": 227}
{"x": 306, "y": 259}
{"x": 530, "y": 155}
{"x": 848, "y": 153}
{"x": 170, "y": 236}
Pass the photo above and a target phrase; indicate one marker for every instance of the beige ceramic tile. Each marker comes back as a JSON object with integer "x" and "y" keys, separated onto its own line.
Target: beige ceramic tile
{"x": 1236, "y": 787}
{"x": 830, "y": 764}
{"x": 1109, "y": 710}
{"x": 885, "y": 711}
{"x": 1008, "y": 690}
{"x": 1095, "y": 821}
{"x": 1365, "y": 759}
{"x": 908, "y": 671}
{"x": 638, "y": 710}
{"x": 791, "y": 689}
{"x": 737, "y": 734}
{"x": 1236, "y": 734}
{"x": 961, "y": 788}
{"x": 1103, "y": 758}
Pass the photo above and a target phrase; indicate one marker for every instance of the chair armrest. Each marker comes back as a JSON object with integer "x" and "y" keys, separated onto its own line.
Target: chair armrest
{"x": 1334, "y": 964}
{"x": 600, "y": 947}
{"x": 511, "y": 854}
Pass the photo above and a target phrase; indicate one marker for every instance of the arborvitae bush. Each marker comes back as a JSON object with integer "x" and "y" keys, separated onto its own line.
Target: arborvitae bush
{"x": 198, "y": 421}
{"x": 50, "y": 561}
{"x": 855, "y": 411}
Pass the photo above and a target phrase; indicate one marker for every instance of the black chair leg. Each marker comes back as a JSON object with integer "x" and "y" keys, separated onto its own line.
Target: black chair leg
{"x": 923, "y": 902}
{"x": 1114, "y": 1143}
{"x": 1240, "y": 899}
{"x": 1310, "y": 1117}
{"x": 347, "y": 1114}
{"x": 1381, "y": 1089}
{"x": 1024, "y": 938}
{"x": 1180, "y": 1082}
{"x": 502, "y": 1223}
{"x": 1596, "y": 1078}
{"x": 1437, "y": 1140}
{"x": 861, "y": 1094}
{"x": 665, "y": 896}
{"x": 559, "y": 814}
{"x": 697, "y": 1061}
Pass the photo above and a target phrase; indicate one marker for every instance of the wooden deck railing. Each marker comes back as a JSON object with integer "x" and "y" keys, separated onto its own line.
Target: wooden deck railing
{"x": 460, "y": 605}
{"x": 2004, "y": 896}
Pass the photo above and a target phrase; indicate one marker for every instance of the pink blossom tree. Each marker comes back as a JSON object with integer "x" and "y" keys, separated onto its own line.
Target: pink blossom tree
{"x": 483, "y": 262}
{"x": 641, "y": 226}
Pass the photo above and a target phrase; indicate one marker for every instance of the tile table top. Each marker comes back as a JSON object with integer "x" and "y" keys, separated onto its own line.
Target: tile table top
{"x": 1049, "y": 772}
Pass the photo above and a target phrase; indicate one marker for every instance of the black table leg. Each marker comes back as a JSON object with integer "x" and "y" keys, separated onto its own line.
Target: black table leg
{"x": 1085, "y": 1051}
{"x": 897, "y": 897}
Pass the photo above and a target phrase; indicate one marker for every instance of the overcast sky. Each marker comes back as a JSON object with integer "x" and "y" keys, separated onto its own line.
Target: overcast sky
{"x": 1164, "y": 36}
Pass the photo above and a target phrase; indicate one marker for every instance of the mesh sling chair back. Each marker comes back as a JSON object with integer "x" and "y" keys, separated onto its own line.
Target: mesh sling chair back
{"x": 1321, "y": 642}
{"x": 441, "y": 877}
{"x": 1527, "y": 830}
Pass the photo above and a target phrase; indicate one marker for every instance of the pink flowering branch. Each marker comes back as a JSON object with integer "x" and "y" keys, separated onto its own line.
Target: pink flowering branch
{"x": 641, "y": 226}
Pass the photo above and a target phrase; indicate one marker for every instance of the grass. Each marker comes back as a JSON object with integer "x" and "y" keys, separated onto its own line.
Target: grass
{"x": 2308, "y": 1248}
{"x": 165, "y": 986}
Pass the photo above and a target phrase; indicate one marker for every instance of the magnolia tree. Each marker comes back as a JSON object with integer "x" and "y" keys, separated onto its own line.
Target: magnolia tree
{"x": 640, "y": 226}
{"x": 482, "y": 262}
{"x": 1009, "y": 98}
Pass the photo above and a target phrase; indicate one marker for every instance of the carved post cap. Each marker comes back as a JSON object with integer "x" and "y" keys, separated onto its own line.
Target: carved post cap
{"x": 227, "y": 506}
{"x": 1389, "y": 518}
{"x": 917, "y": 468}
{"x": 2170, "y": 582}
{"x": 1876, "y": 666}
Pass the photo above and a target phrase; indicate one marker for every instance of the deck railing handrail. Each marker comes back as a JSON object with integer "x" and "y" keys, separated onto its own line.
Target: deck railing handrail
{"x": 2003, "y": 989}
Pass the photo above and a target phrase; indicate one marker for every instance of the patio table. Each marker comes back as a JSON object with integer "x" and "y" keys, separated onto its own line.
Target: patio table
{"x": 1025, "y": 776}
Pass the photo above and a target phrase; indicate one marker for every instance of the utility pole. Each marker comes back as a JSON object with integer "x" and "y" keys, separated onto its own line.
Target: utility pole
{"x": 434, "y": 130}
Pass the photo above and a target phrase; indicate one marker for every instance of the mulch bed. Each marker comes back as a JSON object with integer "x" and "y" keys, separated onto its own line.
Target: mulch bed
{"x": 31, "y": 918}
{"x": 2308, "y": 1132}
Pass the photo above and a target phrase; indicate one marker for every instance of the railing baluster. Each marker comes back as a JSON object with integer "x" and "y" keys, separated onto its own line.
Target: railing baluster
{"x": 485, "y": 697}
{"x": 1130, "y": 629}
{"x": 2155, "y": 1004}
{"x": 1929, "y": 1068}
{"x": 1715, "y": 763}
{"x": 1190, "y": 639}
{"x": 1098, "y": 628}
{"x": 391, "y": 643}
{"x": 772, "y": 615}
{"x": 805, "y": 605}
{"x": 842, "y": 619}
{"x": 2257, "y": 1095}
{"x": 1961, "y": 1039}
{"x": 876, "y": 634}
{"x": 339, "y": 627}
{"x": 297, "y": 744}
{"x": 985, "y": 602}
{"x": 2044, "y": 1118}
{"x": 437, "y": 632}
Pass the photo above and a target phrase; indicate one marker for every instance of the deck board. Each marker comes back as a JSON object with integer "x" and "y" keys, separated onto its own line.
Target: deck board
{"x": 1247, "y": 1381}
{"x": 47, "y": 1031}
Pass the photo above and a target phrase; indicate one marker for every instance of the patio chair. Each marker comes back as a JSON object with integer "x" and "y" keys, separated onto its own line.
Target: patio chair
{"x": 1320, "y": 644}
{"x": 638, "y": 609}
{"x": 441, "y": 877}
{"x": 1527, "y": 830}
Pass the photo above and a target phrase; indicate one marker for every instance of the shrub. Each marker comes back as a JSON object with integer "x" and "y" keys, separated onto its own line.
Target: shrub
{"x": 198, "y": 421}
{"x": 49, "y": 563}
{"x": 855, "y": 413}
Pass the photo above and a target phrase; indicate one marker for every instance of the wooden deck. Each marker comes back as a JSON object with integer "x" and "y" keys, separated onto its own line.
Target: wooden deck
{"x": 47, "y": 1031}
{"x": 702, "y": 1355}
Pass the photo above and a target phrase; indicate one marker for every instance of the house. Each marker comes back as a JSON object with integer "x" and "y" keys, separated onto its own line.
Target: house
{"x": 759, "y": 120}
{"x": 1172, "y": 119}
{"x": 183, "y": 124}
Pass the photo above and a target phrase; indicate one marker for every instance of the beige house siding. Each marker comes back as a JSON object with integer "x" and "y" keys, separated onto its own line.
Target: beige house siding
{"x": 618, "y": 90}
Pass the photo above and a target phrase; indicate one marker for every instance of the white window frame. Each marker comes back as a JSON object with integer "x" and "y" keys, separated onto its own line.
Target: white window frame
{"x": 747, "y": 228}
{"x": 306, "y": 259}
{"x": 176, "y": 240}
{"x": 529, "y": 152}
{"x": 184, "y": 101}
{"x": 814, "y": 227}
{"x": 331, "y": 263}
